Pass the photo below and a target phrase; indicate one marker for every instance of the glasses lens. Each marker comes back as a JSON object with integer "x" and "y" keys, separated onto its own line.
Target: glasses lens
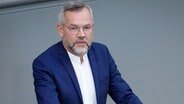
{"x": 74, "y": 29}
{"x": 87, "y": 29}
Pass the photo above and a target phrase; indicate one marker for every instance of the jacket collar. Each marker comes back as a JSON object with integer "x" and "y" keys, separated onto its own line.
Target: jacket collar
{"x": 94, "y": 68}
{"x": 64, "y": 58}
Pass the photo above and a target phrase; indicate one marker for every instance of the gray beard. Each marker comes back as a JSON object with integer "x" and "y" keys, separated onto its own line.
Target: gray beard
{"x": 80, "y": 50}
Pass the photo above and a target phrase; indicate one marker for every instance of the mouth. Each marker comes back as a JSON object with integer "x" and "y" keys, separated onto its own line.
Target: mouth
{"x": 81, "y": 43}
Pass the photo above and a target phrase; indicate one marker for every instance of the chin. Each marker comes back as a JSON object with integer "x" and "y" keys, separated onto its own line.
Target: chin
{"x": 81, "y": 50}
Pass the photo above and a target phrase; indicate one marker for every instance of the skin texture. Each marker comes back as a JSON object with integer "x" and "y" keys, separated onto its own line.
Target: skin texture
{"x": 79, "y": 43}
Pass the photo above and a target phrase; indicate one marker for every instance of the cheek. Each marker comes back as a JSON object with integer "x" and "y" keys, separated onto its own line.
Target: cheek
{"x": 69, "y": 39}
{"x": 90, "y": 37}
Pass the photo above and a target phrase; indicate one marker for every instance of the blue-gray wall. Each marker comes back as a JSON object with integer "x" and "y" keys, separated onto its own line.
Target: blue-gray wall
{"x": 145, "y": 37}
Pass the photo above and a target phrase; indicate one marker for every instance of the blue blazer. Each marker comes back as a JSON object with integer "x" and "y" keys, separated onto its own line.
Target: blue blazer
{"x": 56, "y": 83}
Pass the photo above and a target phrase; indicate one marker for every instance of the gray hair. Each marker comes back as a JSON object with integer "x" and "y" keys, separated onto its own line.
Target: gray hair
{"x": 72, "y": 6}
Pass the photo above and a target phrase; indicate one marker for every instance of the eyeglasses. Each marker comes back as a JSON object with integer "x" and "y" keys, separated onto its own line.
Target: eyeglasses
{"x": 74, "y": 29}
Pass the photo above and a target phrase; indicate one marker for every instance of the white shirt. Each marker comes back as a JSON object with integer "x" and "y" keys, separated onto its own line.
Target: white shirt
{"x": 85, "y": 78}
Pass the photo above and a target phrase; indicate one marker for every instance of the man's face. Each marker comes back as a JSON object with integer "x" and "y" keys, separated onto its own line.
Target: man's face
{"x": 76, "y": 32}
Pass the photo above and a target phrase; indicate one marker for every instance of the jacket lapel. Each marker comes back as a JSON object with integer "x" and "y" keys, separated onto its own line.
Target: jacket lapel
{"x": 94, "y": 69}
{"x": 68, "y": 65}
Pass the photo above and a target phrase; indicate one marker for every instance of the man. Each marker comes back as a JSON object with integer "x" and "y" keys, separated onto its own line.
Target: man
{"x": 77, "y": 70}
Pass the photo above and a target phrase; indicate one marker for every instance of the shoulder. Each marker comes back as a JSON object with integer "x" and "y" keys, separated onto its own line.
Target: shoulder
{"x": 50, "y": 53}
{"x": 99, "y": 47}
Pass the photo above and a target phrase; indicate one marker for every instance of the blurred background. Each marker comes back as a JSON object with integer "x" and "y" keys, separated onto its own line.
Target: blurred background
{"x": 145, "y": 37}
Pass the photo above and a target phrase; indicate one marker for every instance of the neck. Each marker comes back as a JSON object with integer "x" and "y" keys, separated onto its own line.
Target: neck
{"x": 81, "y": 59}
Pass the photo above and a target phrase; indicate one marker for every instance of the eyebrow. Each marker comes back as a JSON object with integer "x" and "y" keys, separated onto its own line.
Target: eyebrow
{"x": 73, "y": 25}
{"x": 78, "y": 25}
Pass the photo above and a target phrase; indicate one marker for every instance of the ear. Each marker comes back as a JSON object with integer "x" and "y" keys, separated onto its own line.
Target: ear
{"x": 60, "y": 30}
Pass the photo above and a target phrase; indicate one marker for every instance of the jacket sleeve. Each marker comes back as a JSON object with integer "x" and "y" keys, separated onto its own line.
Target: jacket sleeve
{"x": 119, "y": 90}
{"x": 45, "y": 87}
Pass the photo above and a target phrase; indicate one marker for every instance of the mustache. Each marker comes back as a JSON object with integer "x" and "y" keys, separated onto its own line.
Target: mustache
{"x": 87, "y": 44}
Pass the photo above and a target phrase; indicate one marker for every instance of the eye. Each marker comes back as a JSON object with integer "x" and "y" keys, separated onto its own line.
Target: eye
{"x": 73, "y": 28}
{"x": 87, "y": 27}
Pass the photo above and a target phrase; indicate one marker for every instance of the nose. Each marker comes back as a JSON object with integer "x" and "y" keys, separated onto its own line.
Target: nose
{"x": 81, "y": 33}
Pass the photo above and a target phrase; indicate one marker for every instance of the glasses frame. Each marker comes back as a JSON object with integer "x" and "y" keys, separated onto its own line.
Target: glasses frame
{"x": 75, "y": 29}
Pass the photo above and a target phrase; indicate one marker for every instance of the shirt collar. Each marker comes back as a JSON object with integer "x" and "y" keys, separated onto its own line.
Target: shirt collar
{"x": 75, "y": 58}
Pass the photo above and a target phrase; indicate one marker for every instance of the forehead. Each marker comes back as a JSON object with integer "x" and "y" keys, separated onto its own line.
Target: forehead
{"x": 79, "y": 17}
